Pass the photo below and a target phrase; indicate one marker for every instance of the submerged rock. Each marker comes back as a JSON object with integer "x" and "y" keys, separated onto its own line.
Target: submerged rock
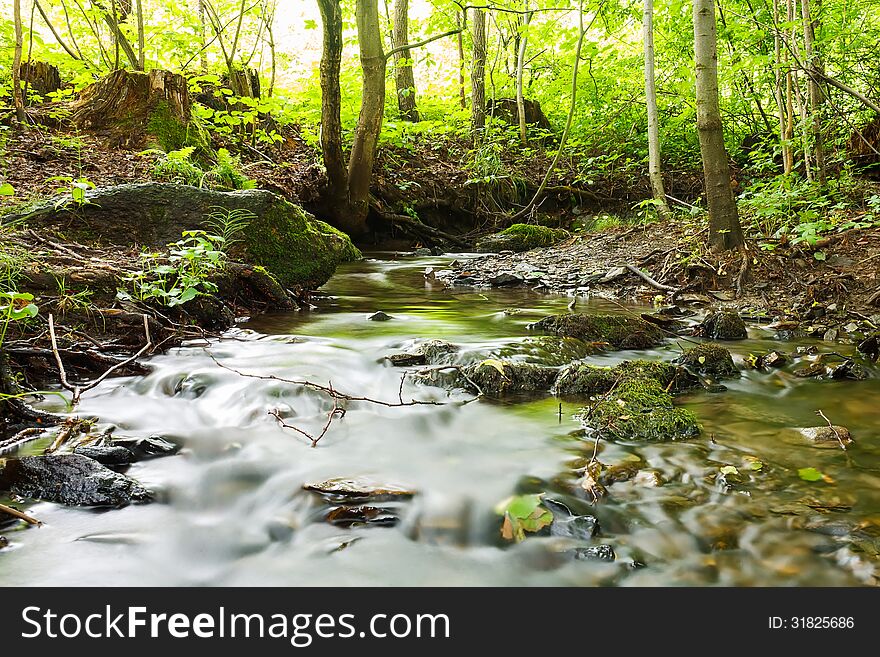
{"x": 723, "y": 325}
{"x": 430, "y": 352}
{"x": 347, "y": 516}
{"x": 499, "y": 378}
{"x": 3, "y": 542}
{"x": 143, "y": 448}
{"x": 620, "y": 331}
{"x": 520, "y": 237}
{"x": 595, "y": 553}
{"x": 836, "y": 435}
{"x": 379, "y": 316}
{"x": 70, "y": 479}
{"x": 358, "y": 488}
{"x": 709, "y": 359}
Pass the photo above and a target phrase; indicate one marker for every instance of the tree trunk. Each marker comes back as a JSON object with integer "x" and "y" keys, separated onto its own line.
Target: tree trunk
{"x": 17, "y": 97}
{"x": 331, "y": 107}
{"x": 403, "y": 72}
{"x": 203, "y": 53}
{"x": 142, "y": 55}
{"x": 725, "y": 231}
{"x": 461, "y": 92}
{"x": 816, "y": 97}
{"x": 366, "y": 136}
{"x": 520, "y": 65}
{"x": 654, "y": 171}
{"x": 778, "y": 92}
{"x": 135, "y": 109}
{"x": 478, "y": 71}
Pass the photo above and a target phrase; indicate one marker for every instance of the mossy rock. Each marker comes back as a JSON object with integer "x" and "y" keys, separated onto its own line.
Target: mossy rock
{"x": 640, "y": 408}
{"x": 709, "y": 359}
{"x": 723, "y": 325}
{"x": 293, "y": 246}
{"x": 582, "y": 380}
{"x": 500, "y": 378}
{"x": 619, "y": 331}
{"x": 521, "y": 237}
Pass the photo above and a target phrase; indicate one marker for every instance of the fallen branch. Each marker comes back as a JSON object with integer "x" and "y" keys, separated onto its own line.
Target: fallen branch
{"x": 832, "y": 427}
{"x": 422, "y": 230}
{"x": 18, "y": 514}
{"x": 650, "y": 281}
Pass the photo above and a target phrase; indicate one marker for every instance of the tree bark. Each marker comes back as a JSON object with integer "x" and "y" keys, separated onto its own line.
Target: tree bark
{"x": 461, "y": 92}
{"x": 331, "y": 105}
{"x": 725, "y": 231}
{"x": 520, "y": 65}
{"x": 778, "y": 93}
{"x": 816, "y": 97}
{"x": 142, "y": 55}
{"x": 17, "y": 97}
{"x": 654, "y": 171}
{"x": 366, "y": 137}
{"x": 203, "y": 53}
{"x": 478, "y": 71}
{"x": 403, "y": 72}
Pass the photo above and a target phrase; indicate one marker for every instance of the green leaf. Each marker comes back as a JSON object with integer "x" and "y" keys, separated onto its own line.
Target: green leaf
{"x": 756, "y": 465}
{"x": 729, "y": 470}
{"x": 819, "y": 255}
{"x": 7, "y": 190}
{"x": 810, "y": 474}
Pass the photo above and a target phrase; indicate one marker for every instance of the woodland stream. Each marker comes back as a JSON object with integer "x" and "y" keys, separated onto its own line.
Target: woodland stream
{"x": 232, "y": 510}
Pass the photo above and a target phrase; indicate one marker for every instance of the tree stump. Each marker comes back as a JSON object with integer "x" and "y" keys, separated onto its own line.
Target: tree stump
{"x": 505, "y": 108}
{"x": 133, "y": 109}
{"x": 43, "y": 78}
{"x": 243, "y": 82}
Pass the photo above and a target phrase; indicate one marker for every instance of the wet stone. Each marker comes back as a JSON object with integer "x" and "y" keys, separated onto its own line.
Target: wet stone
{"x": 619, "y": 331}
{"x": 3, "y": 542}
{"x": 709, "y": 359}
{"x": 833, "y": 435}
{"x": 343, "y": 488}
{"x": 497, "y": 378}
{"x": 106, "y": 455}
{"x": 70, "y": 479}
{"x": 505, "y": 279}
{"x": 848, "y": 370}
{"x": 347, "y": 516}
{"x": 595, "y": 553}
{"x": 149, "y": 447}
{"x": 429, "y": 352}
{"x": 723, "y": 325}
{"x": 379, "y": 316}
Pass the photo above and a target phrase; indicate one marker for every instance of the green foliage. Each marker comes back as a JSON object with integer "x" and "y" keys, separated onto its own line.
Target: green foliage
{"x": 178, "y": 167}
{"x": 15, "y": 307}
{"x": 180, "y": 276}
{"x": 229, "y": 224}
{"x": 523, "y": 513}
{"x": 810, "y": 474}
{"x": 75, "y": 187}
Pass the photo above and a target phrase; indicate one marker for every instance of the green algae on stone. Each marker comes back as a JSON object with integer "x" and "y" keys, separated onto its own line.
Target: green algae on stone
{"x": 499, "y": 378}
{"x": 582, "y": 380}
{"x": 640, "y": 409}
{"x": 620, "y": 331}
{"x": 709, "y": 359}
{"x": 521, "y": 237}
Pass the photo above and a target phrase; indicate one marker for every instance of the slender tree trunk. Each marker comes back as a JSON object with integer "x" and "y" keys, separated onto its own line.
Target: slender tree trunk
{"x": 403, "y": 72}
{"x": 789, "y": 92}
{"x": 520, "y": 65}
{"x": 778, "y": 91}
{"x": 478, "y": 71}
{"x": 203, "y": 54}
{"x": 725, "y": 231}
{"x": 816, "y": 97}
{"x": 17, "y": 97}
{"x": 366, "y": 137}
{"x": 654, "y": 171}
{"x": 142, "y": 55}
{"x": 461, "y": 92}
{"x": 331, "y": 105}
{"x": 269, "y": 18}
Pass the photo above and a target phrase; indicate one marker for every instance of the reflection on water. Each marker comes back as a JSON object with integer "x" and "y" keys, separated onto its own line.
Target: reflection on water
{"x": 233, "y": 511}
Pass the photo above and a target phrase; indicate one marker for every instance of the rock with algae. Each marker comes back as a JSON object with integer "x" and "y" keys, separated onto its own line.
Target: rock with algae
{"x": 619, "y": 331}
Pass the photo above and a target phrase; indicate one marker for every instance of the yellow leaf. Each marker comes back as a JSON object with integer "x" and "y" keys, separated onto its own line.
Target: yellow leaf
{"x": 497, "y": 364}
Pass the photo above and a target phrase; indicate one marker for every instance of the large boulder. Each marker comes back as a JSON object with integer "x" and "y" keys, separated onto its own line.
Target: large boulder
{"x": 290, "y": 243}
{"x": 71, "y": 479}
{"x": 619, "y": 331}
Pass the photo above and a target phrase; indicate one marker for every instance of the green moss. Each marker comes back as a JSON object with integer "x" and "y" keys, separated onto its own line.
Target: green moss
{"x": 521, "y": 237}
{"x": 640, "y": 408}
{"x": 171, "y": 134}
{"x": 724, "y": 325}
{"x": 296, "y": 248}
{"x": 517, "y": 378}
{"x": 709, "y": 359}
{"x": 583, "y": 380}
{"x": 620, "y": 331}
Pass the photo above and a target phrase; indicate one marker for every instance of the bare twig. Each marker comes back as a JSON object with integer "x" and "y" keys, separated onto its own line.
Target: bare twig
{"x": 78, "y": 390}
{"x": 650, "y": 281}
{"x": 833, "y": 428}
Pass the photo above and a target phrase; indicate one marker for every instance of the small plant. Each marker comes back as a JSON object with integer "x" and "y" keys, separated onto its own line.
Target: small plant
{"x": 176, "y": 167}
{"x": 15, "y": 307}
{"x": 181, "y": 276}
{"x": 227, "y": 173}
{"x": 69, "y": 300}
{"x": 229, "y": 224}
{"x": 75, "y": 187}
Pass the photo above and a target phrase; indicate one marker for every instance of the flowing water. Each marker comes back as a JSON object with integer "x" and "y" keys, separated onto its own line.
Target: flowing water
{"x": 232, "y": 510}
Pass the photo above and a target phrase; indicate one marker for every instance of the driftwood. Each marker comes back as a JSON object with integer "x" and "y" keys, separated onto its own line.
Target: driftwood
{"x": 422, "y": 231}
